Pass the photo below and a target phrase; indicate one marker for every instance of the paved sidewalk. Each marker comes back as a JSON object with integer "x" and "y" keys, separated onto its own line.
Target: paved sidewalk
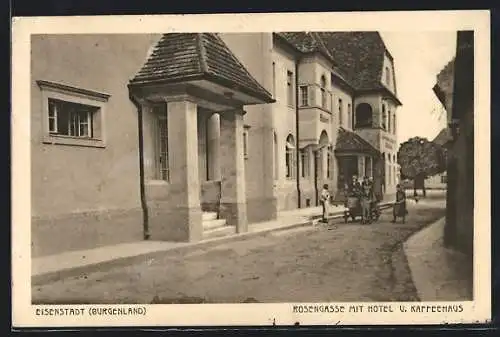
{"x": 439, "y": 274}
{"x": 72, "y": 263}
{"x": 53, "y": 267}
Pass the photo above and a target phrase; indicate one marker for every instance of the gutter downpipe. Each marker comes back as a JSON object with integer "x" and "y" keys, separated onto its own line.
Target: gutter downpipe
{"x": 297, "y": 151}
{"x": 144, "y": 206}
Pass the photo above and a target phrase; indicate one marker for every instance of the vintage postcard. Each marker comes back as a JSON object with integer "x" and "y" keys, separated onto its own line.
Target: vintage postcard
{"x": 251, "y": 169}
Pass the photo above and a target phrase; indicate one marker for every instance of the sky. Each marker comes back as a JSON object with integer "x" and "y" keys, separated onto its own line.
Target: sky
{"x": 418, "y": 58}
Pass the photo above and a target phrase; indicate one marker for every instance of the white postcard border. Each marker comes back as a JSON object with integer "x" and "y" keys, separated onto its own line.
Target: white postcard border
{"x": 25, "y": 315}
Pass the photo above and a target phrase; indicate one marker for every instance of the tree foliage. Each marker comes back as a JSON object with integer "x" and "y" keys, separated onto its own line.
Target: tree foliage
{"x": 421, "y": 158}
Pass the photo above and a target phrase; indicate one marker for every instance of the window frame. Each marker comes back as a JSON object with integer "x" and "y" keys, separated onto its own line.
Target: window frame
{"x": 349, "y": 116}
{"x": 290, "y": 99}
{"x": 56, "y": 91}
{"x": 304, "y": 95}
{"x": 304, "y": 163}
{"x": 384, "y": 117}
{"x": 290, "y": 165}
{"x": 324, "y": 98}
{"x": 246, "y": 129}
{"x": 341, "y": 111}
{"x": 274, "y": 79}
{"x": 158, "y": 164}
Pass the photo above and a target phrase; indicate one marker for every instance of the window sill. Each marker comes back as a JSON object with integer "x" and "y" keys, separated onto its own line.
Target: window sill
{"x": 73, "y": 141}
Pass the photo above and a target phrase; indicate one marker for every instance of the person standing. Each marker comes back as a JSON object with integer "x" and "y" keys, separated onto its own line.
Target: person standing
{"x": 399, "y": 209}
{"x": 366, "y": 200}
{"x": 325, "y": 201}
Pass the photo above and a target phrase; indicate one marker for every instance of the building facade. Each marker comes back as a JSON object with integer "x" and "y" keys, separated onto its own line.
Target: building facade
{"x": 187, "y": 136}
{"x": 455, "y": 89}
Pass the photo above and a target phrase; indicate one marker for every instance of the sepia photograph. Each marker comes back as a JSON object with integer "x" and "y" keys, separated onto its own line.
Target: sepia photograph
{"x": 326, "y": 166}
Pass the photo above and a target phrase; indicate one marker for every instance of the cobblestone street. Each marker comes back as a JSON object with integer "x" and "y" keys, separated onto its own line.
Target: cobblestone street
{"x": 341, "y": 262}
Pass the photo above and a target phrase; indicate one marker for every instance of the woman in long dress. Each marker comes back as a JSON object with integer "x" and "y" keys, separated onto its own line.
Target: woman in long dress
{"x": 399, "y": 210}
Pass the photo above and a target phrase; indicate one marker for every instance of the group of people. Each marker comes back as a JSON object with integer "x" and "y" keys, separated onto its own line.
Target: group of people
{"x": 364, "y": 191}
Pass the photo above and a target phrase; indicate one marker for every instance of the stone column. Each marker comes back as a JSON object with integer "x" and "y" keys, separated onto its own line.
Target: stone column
{"x": 361, "y": 166}
{"x": 177, "y": 216}
{"x": 213, "y": 136}
{"x": 233, "y": 206}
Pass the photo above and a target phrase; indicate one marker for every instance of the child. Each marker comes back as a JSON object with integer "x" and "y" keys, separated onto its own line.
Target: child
{"x": 399, "y": 209}
{"x": 325, "y": 198}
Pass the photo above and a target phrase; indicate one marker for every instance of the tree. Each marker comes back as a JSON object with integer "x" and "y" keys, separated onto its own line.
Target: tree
{"x": 419, "y": 159}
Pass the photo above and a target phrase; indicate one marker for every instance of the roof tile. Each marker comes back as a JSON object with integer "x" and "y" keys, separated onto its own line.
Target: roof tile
{"x": 180, "y": 56}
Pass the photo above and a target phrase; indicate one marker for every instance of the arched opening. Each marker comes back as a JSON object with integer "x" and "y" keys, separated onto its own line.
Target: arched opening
{"x": 323, "y": 138}
{"x": 389, "y": 122}
{"x": 323, "y": 92}
{"x": 364, "y": 115}
{"x": 290, "y": 156}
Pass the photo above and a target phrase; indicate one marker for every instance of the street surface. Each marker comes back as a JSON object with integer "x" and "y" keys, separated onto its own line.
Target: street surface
{"x": 335, "y": 262}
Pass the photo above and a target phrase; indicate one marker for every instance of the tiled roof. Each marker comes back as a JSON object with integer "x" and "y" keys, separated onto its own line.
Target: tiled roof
{"x": 311, "y": 42}
{"x": 360, "y": 55}
{"x": 348, "y": 141}
{"x": 357, "y": 57}
{"x": 443, "y": 137}
{"x": 183, "y": 56}
{"x": 306, "y": 42}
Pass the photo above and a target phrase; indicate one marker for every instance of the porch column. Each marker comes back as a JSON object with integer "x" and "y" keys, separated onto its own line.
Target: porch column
{"x": 361, "y": 166}
{"x": 185, "y": 222}
{"x": 369, "y": 166}
{"x": 233, "y": 206}
{"x": 324, "y": 163}
{"x": 213, "y": 136}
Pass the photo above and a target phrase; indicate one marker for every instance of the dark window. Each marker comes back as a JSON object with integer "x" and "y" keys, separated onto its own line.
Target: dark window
{"x": 71, "y": 119}
{"x": 289, "y": 84}
{"x": 364, "y": 115}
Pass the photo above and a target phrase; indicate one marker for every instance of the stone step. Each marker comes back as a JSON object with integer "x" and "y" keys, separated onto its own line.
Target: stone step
{"x": 207, "y": 216}
{"x": 218, "y": 232}
{"x": 211, "y": 224}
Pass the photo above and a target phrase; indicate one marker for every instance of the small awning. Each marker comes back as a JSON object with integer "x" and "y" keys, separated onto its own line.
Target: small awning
{"x": 350, "y": 142}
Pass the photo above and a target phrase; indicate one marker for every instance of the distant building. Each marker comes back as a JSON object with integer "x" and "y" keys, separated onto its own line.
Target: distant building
{"x": 185, "y": 136}
{"x": 455, "y": 89}
{"x": 439, "y": 181}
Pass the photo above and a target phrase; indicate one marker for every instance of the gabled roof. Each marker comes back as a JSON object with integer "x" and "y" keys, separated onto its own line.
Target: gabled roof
{"x": 179, "y": 57}
{"x": 311, "y": 42}
{"x": 306, "y": 42}
{"x": 443, "y": 137}
{"x": 357, "y": 57}
{"x": 348, "y": 141}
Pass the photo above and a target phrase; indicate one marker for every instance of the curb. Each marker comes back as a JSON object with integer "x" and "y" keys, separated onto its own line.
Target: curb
{"x": 80, "y": 271}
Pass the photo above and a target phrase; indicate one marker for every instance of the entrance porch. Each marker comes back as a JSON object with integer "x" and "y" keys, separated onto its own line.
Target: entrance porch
{"x": 356, "y": 157}
{"x": 191, "y": 134}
